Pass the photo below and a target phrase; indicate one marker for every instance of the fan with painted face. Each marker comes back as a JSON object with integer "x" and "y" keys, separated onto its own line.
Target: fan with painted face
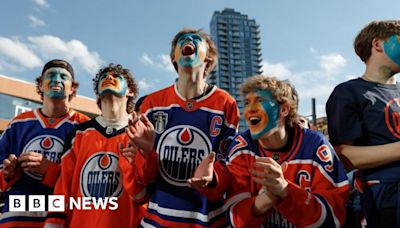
{"x": 191, "y": 50}
{"x": 261, "y": 112}
{"x": 111, "y": 82}
{"x": 57, "y": 83}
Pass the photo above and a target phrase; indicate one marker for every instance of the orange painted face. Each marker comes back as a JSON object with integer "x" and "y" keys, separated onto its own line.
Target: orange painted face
{"x": 57, "y": 83}
{"x": 261, "y": 112}
{"x": 114, "y": 83}
{"x": 191, "y": 50}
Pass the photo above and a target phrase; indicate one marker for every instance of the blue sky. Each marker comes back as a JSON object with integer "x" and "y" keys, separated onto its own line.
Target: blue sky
{"x": 308, "y": 42}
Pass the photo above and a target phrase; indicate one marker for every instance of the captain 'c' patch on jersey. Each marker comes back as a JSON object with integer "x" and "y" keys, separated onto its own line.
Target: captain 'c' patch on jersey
{"x": 181, "y": 149}
{"x": 50, "y": 146}
{"x": 101, "y": 176}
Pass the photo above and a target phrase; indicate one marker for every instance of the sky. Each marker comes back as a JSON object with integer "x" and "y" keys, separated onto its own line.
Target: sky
{"x": 309, "y": 42}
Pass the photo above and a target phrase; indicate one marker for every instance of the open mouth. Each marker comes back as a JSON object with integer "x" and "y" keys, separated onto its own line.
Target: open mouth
{"x": 254, "y": 120}
{"x": 107, "y": 84}
{"x": 56, "y": 88}
{"x": 188, "y": 49}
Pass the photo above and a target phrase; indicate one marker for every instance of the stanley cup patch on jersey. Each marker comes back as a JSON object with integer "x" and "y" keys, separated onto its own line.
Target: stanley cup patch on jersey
{"x": 101, "y": 176}
{"x": 50, "y": 146}
{"x": 180, "y": 150}
{"x": 160, "y": 120}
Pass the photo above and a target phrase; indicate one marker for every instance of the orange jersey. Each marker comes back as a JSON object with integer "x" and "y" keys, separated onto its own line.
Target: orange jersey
{"x": 92, "y": 167}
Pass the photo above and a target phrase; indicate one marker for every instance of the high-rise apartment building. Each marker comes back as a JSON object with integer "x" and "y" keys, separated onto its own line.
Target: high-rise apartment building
{"x": 239, "y": 47}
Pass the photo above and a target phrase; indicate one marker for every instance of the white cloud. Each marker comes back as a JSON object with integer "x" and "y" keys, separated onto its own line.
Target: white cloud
{"x": 19, "y": 55}
{"x": 332, "y": 62}
{"x": 13, "y": 52}
{"x": 143, "y": 85}
{"x": 42, "y": 3}
{"x": 162, "y": 62}
{"x": 275, "y": 69}
{"x": 146, "y": 60}
{"x": 315, "y": 83}
{"x": 74, "y": 50}
{"x": 166, "y": 62}
{"x": 351, "y": 76}
{"x": 36, "y": 22}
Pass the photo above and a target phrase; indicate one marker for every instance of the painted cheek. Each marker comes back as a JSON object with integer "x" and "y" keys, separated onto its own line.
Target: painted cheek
{"x": 202, "y": 51}
{"x": 392, "y": 48}
{"x": 177, "y": 52}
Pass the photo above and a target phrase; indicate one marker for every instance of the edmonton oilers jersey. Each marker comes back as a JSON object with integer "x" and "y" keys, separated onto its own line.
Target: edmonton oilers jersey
{"x": 317, "y": 182}
{"x": 32, "y": 131}
{"x": 368, "y": 114}
{"x": 187, "y": 131}
{"x": 91, "y": 168}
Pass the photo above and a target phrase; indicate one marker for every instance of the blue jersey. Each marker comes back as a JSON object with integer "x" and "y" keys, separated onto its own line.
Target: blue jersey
{"x": 367, "y": 114}
{"x": 187, "y": 131}
{"x": 32, "y": 131}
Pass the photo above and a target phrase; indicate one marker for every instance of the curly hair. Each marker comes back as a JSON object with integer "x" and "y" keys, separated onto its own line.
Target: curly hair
{"x": 282, "y": 91}
{"x": 375, "y": 29}
{"x": 132, "y": 86}
{"x": 212, "y": 48}
{"x": 57, "y": 63}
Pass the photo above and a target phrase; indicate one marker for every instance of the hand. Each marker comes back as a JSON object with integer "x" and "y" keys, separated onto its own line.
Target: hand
{"x": 141, "y": 132}
{"x": 203, "y": 174}
{"x": 10, "y": 166}
{"x": 33, "y": 162}
{"x": 271, "y": 176}
{"x": 264, "y": 202}
{"x": 128, "y": 152}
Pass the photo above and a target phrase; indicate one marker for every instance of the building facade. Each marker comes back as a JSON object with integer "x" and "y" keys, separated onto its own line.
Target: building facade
{"x": 17, "y": 96}
{"x": 239, "y": 46}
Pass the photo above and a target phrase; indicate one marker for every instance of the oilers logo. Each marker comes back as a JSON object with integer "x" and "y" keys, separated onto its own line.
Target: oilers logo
{"x": 181, "y": 149}
{"x": 50, "y": 146}
{"x": 101, "y": 176}
{"x": 392, "y": 116}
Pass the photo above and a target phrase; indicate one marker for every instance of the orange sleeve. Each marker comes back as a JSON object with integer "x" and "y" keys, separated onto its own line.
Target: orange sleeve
{"x": 244, "y": 208}
{"x": 6, "y": 184}
{"x": 52, "y": 174}
{"x": 136, "y": 177}
{"x": 222, "y": 182}
{"x": 64, "y": 184}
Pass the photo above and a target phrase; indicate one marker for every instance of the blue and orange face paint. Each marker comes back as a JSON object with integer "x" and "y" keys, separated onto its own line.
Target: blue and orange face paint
{"x": 392, "y": 48}
{"x": 57, "y": 83}
{"x": 110, "y": 82}
{"x": 199, "y": 54}
{"x": 261, "y": 105}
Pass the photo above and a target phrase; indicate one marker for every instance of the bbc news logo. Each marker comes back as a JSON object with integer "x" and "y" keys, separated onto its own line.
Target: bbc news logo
{"x": 56, "y": 203}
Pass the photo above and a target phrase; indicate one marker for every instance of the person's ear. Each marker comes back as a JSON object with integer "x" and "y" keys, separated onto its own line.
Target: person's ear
{"x": 377, "y": 44}
{"x": 284, "y": 110}
{"x": 208, "y": 62}
{"x": 129, "y": 94}
{"x": 40, "y": 84}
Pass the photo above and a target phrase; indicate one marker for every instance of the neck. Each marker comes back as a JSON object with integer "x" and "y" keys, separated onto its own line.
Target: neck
{"x": 275, "y": 140}
{"x": 113, "y": 108}
{"x": 55, "y": 108}
{"x": 379, "y": 73}
{"x": 191, "y": 83}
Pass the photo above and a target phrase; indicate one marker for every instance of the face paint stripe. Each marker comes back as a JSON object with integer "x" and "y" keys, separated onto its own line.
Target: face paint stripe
{"x": 391, "y": 47}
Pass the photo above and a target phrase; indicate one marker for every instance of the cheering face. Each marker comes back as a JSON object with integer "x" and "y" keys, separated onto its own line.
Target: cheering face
{"x": 190, "y": 50}
{"x": 392, "y": 48}
{"x": 261, "y": 113}
{"x": 110, "y": 82}
{"x": 57, "y": 83}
